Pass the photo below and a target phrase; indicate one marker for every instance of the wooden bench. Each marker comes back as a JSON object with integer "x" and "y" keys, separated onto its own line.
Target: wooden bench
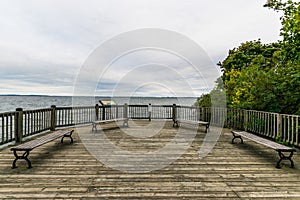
{"x": 95, "y": 123}
{"x": 206, "y": 124}
{"x": 268, "y": 143}
{"x": 30, "y": 145}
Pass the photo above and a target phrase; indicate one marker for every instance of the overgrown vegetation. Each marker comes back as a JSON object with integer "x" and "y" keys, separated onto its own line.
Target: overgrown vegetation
{"x": 261, "y": 76}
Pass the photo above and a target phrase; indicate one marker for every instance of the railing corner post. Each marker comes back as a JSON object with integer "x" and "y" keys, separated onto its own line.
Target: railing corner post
{"x": 19, "y": 125}
{"x": 125, "y": 111}
{"x": 174, "y": 112}
{"x": 53, "y": 118}
{"x": 97, "y": 111}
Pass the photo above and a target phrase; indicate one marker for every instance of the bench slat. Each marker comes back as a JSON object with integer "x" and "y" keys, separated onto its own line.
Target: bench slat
{"x": 206, "y": 124}
{"x": 40, "y": 141}
{"x": 95, "y": 123}
{"x": 109, "y": 120}
{"x": 263, "y": 141}
{"x": 193, "y": 122}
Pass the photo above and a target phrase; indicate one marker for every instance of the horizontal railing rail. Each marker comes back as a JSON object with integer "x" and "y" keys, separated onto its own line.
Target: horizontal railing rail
{"x": 18, "y": 124}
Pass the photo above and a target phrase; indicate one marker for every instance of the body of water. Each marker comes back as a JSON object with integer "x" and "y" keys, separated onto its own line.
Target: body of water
{"x": 11, "y": 102}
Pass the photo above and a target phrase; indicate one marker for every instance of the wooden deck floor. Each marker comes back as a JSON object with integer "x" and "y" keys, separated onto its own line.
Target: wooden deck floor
{"x": 69, "y": 171}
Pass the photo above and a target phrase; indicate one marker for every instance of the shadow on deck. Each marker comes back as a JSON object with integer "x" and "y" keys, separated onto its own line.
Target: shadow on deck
{"x": 229, "y": 171}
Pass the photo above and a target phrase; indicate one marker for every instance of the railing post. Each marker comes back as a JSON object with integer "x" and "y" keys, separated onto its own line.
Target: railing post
{"x": 117, "y": 111}
{"x": 279, "y": 125}
{"x": 198, "y": 110}
{"x": 125, "y": 111}
{"x": 103, "y": 112}
{"x": 19, "y": 125}
{"x": 202, "y": 118}
{"x": 53, "y": 117}
{"x": 149, "y": 111}
{"x": 245, "y": 123}
{"x": 97, "y": 112}
{"x": 174, "y": 113}
{"x": 212, "y": 119}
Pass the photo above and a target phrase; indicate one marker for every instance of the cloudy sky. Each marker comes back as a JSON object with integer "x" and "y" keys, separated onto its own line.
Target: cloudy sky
{"x": 47, "y": 46}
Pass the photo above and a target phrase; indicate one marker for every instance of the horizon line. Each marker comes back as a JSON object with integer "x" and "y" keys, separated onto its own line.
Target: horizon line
{"x": 121, "y": 96}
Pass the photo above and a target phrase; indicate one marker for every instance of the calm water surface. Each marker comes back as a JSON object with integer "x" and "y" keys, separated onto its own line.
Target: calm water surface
{"x": 10, "y": 103}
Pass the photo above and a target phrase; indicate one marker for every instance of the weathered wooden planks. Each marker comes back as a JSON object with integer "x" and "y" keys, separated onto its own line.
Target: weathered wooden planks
{"x": 227, "y": 172}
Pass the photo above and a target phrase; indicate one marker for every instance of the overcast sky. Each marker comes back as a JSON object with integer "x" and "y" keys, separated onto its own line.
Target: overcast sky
{"x": 45, "y": 44}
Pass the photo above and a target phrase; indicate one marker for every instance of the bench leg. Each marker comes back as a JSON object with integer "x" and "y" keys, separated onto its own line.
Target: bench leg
{"x": 67, "y": 135}
{"x": 24, "y": 156}
{"x": 94, "y": 128}
{"x": 175, "y": 124}
{"x": 236, "y": 136}
{"x": 207, "y": 128}
{"x": 125, "y": 123}
{"x": 284, "y": 157}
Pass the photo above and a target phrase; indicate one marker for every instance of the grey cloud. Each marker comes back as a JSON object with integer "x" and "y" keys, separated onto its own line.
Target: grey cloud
{"x": 45, "y": 43}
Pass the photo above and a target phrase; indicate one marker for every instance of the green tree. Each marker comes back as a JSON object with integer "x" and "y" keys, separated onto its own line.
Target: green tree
{"x": 204, "y": 101}
{"x": 264, "y": 76}
{"x": 290, "y": 27}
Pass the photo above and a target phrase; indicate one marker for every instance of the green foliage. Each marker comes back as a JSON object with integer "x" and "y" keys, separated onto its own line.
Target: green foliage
{"x": 265, "y": 76}
{"x": 204, "y": 100}
{"x": 249, "y": 53}
{"x": 216, "y": 98}
{"x": 278, "y": 139}
{"x": 290, "y": 27}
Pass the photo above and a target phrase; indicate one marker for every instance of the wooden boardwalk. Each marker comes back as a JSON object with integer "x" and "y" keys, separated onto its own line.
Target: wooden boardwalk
{"x": 69, "y": 171}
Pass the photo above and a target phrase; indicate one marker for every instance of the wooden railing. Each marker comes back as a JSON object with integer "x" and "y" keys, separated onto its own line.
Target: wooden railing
{"x": 70, "y": 116}
{"x": 279, "y": 127}
{"x": 16, "y": 125}
{"x": 290, "y": 129}
{"x": 34, "y": 121}
{"x": 150, "y": 112}
{"x": 7, "y": 126}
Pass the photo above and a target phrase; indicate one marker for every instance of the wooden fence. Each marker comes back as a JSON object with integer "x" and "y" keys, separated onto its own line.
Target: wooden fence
{"x": 18, "y": 124}
{"x": 7, "y": 125}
